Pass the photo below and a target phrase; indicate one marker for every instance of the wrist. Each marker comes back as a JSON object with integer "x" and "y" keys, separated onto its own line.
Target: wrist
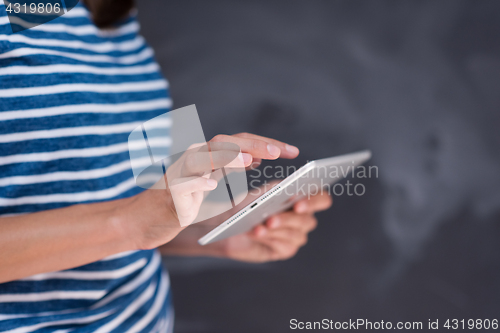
{"x": 147, "y": 220}
{"x": 216, "y": 249}
{"x": 186, "y": 244}
{"x": 122, "y": 227}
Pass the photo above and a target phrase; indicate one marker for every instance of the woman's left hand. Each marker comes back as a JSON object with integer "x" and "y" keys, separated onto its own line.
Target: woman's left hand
{"x": 280, "y": 237}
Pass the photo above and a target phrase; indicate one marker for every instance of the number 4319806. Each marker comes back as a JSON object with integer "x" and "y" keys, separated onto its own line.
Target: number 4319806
{"x": 477, "y": 324}
{"x": 33, "y": 8}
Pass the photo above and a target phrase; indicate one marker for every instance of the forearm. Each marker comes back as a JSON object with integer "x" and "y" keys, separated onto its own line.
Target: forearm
{"x": 60, "y": 239}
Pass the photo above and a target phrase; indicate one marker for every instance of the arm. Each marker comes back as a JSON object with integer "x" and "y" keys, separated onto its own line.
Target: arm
{"x": 70, "y": 237}
{"x": 60, "y": 239}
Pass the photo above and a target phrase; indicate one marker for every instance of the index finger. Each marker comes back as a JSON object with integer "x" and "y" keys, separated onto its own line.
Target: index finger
{"x": 259, "y": 147}
{"x": 287, "y": 151}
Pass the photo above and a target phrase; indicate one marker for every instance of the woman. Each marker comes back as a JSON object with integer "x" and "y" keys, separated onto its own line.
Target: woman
{"x": 79, "y": 242}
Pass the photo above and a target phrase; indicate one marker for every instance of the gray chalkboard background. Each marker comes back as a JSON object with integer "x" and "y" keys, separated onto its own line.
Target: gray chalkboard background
{"x": 418, "y": 83}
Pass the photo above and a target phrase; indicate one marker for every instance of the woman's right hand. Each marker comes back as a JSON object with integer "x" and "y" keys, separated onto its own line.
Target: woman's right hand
{"x": 155, "y": 217}
{"x": 173, "y": 202}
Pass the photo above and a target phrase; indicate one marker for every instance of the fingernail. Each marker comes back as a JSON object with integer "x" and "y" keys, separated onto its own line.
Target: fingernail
{"x": 301, "y": 207}
{"x": 246, "y": 158}
{"x": 273, "y": 150}
{"x": 292, "y": 149}
{"x": 212, "y": 183}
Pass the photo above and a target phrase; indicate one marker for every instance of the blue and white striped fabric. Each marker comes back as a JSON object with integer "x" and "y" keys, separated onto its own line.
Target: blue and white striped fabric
{"x": 70, "y": 94}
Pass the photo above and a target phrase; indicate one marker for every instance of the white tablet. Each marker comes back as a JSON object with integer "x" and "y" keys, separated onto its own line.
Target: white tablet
{"x": 310, "y": 178}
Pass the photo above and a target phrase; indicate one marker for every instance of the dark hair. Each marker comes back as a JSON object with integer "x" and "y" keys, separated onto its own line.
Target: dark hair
{"x": 107, "y": 12}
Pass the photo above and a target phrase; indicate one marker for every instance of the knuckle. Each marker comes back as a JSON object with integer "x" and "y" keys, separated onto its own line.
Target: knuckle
{"x": 219, "y": 138}
{"x": 310, "y": 220}
{"x": 174, "y": 190}
{"x": 314, "y": 224}
{"x": 190, "y": 163}
{"x": 258, "y": 145}
{"x": 193, "y": 146}
{"x": 291, "y": 253}
{"x": 216, "y": 138}
{"x": 328, "y": 199}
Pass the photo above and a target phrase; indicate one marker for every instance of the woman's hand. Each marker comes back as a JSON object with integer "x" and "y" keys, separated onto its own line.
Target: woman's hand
{"x": 155, "y": 217}
{"x": 259, "y": 147}
{"x": 280, "y": 237}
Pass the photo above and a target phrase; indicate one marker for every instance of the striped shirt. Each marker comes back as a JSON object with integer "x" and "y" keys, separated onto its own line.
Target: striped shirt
{"x": 70, "y": 94}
